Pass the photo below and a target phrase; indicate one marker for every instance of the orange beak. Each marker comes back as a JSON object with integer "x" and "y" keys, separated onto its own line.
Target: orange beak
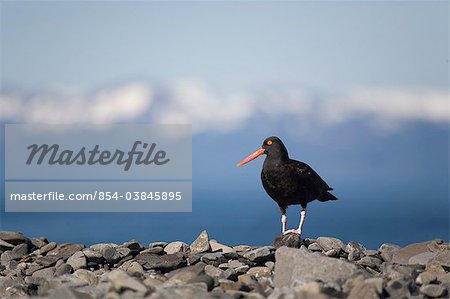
{"x": 251, "y": 157}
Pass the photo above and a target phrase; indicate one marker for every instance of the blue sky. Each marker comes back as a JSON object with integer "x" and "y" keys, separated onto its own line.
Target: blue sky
{"x": 359, "y": 90}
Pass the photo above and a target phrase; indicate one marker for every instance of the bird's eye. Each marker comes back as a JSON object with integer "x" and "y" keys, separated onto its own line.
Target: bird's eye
{"x": 269, "y": 142}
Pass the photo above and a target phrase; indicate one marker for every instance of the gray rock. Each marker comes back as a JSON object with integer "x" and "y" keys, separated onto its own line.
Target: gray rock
{"x": 301, "y": 265}
{"x": 65, "y": 251}
{"x": 260, "y": 255}
{"x": 77, "y": 261}
{"x": 93, "y": 256}
{"x": 189, "y": 291}
{"x": 201, "y": 244}
{"x": 333, "y": 252}
{"x": 21, "y": 249}
{"x": 355, "y": 250}
{"x": 13, "y": 238}
{"x": 46, "y": 248}
{"x": 158, "y": 244}
{"x": 86, "y": 275}
{"x": 433, "y": 290}
{"x": 422, "y": 258}
{"x": 290, "y": 240}
{"x": 164, "y": 263}
{"x": 370, "y": 261}
{"x": 5, "y": 245}
{"x": 259, "y": 272}
{"x": 387, "y": 250}
{"x": 443, "y": 258}
{"x": 135, "y": 269}
{"x": 46, "y": 261}
{"x": 403, "y": 255}
{"x": 426, "y": 278}
{"x": 133, "y": 245}
{"x": 38, "y": 243}
{"x": 394, "y": 271}
{"x": 175, "y": 247}
{"x": 8, "y": 256}
{"x": 214, "y": 272}
{"x": 122, "y": 281}
{"x": 46, "y": 273}
{"x": 215, "y": 246}
{"x": 377, "y": 283}
{"x": 315, "y": 247}
{"x": 363, "y": 290}
{"x": 100, "y": 246}
{"x": 111, "y": 255}
{"x": 214, "y": 259}
{"x": 328, "y": 243}
{"x": 63, "y": 269}
{"x": 398, "y": 288}
{"x": 154, "y": 250}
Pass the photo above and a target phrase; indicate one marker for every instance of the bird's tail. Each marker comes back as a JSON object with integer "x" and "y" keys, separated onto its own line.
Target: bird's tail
{"x": 325, "y": 196}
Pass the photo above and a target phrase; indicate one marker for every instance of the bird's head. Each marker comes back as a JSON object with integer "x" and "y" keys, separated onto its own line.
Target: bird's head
{"x": 272, "y": 146}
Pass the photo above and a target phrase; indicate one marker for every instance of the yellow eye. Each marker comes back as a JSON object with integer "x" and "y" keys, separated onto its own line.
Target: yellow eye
{"x": 269, "y": 142}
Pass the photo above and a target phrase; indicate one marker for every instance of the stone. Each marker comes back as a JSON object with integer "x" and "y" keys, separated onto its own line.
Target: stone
{"x": 214, "y": 272}
{"x": 355, "y": 251}
{"x": 290, "y": 240}
{"x": 333, "y": 252}
{"x": 241, "y": 248}
{"x": 63, "y": 269}
{"x": 398, "y": 288}
{"x": 403, "y": 255}
{"x": 46, "y": 248}
{"x": 14, "y": 238}
{"x": 158, "y": 244}
{"x": 175, "y": 247}
{"x": 260, "y": 255}
{"x": 37, "y": 243}
{"x": 442, "y": 258}
{"x": 422, "y": 258}
{"x": 425, "y": 278}
{"x": 214, "y": 259}
{"x": 122, "y": 281}
{"x": 201, "y": 244}
{"x": 328, "y": 243}
{"x": 20, "y": 249}
{"x": 133, "y": 245}
{"x": 77, "y": 261}
{"x": 376, "y": 283}
{"x": 215, "y": 246}
{"x": 8, "y": 256}
{"x": 291, "y": 264}
{"x": 5, "y": 245}
{"x": 363, "y": 290}
{"x": 433, "y": 290}
{"x": 86, "y": 275}
{"x": 394, "y": 271}
{"x": 46, "y": 273}
{"x": 164, "y": 262}
{"x": 93, "y": 256}
{"x": 315, "y": 247}
{"x": 111, "y": 255}
{"x": 154, "y": 250}
{"x": 65, "y": 251}
{"x": 135, "y": 269}
{"x": 370, "y": 261}
{"x": 259, "y": 271}
{"x": 387, "y": 250}
{"x": 46, "y": 261}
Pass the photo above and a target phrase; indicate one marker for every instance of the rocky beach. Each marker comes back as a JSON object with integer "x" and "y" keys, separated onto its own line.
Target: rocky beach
{"x": 289, "y": 268}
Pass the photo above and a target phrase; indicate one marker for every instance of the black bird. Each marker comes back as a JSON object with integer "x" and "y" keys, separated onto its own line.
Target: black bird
{"x": 289, "y": 182}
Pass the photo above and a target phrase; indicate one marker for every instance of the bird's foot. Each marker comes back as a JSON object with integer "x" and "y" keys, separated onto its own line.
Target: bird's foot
{"x": 290, "y": 231}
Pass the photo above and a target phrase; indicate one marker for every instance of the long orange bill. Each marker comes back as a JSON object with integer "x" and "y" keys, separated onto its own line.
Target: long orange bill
{"x": 251, "y": 157}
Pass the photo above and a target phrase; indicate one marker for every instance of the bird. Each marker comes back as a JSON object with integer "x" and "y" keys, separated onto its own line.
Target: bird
{"x": 289, "y": 182}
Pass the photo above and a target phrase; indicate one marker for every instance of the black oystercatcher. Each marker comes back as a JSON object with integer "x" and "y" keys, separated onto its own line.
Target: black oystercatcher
{"x": 289, "y": 182}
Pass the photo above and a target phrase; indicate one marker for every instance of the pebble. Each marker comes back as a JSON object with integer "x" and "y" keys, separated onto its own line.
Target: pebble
{"x": 77, "y": 261}
{"x": 327, "y": 243}
{"x": 122, "y": 281}
{"x": 201, "y": 244}
{"x": 433, "y": 290}
{"x": 426, "y": 278}
{"x": 176, "y": 247}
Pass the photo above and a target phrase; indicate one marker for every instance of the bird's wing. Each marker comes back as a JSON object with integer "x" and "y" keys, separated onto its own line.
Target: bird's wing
{"x": 309, "y": 177}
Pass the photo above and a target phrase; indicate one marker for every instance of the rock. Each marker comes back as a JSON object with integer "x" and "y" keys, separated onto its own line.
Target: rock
{"x": 63, "y": 269}
{"x": 220, "y": 247}
{"x": 46, "y": 248}
{"x": 290, "y": 240}
{"x": 425, "y": 278}
{"x": 442, "y": 258}
{"x": 370, "y": 261}
{"x": 111, "y": 255}
{"x": 164, "y": 263}
{"x": 133, "y": 245}
{"x": 205, "y": 279}
{"x": 403, "y": 255}
{"x": 135, "y": 269}
{"x": 315, "y": 247}
{"x": 214, "y": 259}
{"x": 65, "y": 251}
{"x": 122, "y": 281}
{"x": 158, "y": 244}
{"x": 214, "y": 272}
{"x": 37, "y": 243}
{"x": 8, "y": 256}
{"x": 241, "y": 248}
{"x": 14, "y": 238}
{"x": 21, "y": 249}
{"x": 77, "y": 261}
{"x": 355, "y": 250}
{"x": 291, "y": 264}
{"x": 387, "y": 250}
{"x": 433, "y": 290}
{"x": 330, "y": 243}
{"x": 87, "y": 276}
{"x": 46, "y": 261}
{"x": 154, "y": 250}
{"x": 176, "y": 247}
{"x": 363, "y": 290}
{"x": 46, "y": 273}
{"x": 260, "y": 255}
{"x": 201, "y": 244}
{"x": 398, "y": 288}
{"x": 333, "y": 252}
{"x": 376, "y": 283}
{"x": 270, "y": 265}
{"x": 5, "y": 245}
{"x": 259, "y": 271}
{"x": 371, "y": 252}
{"x": 93, "y": 256}
{"x": 422, "y": 258}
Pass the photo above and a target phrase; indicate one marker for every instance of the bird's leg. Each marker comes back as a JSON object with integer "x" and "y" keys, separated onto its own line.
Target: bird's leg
{"x": 300, "y": 226}
{"x": 283, "y": 222}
